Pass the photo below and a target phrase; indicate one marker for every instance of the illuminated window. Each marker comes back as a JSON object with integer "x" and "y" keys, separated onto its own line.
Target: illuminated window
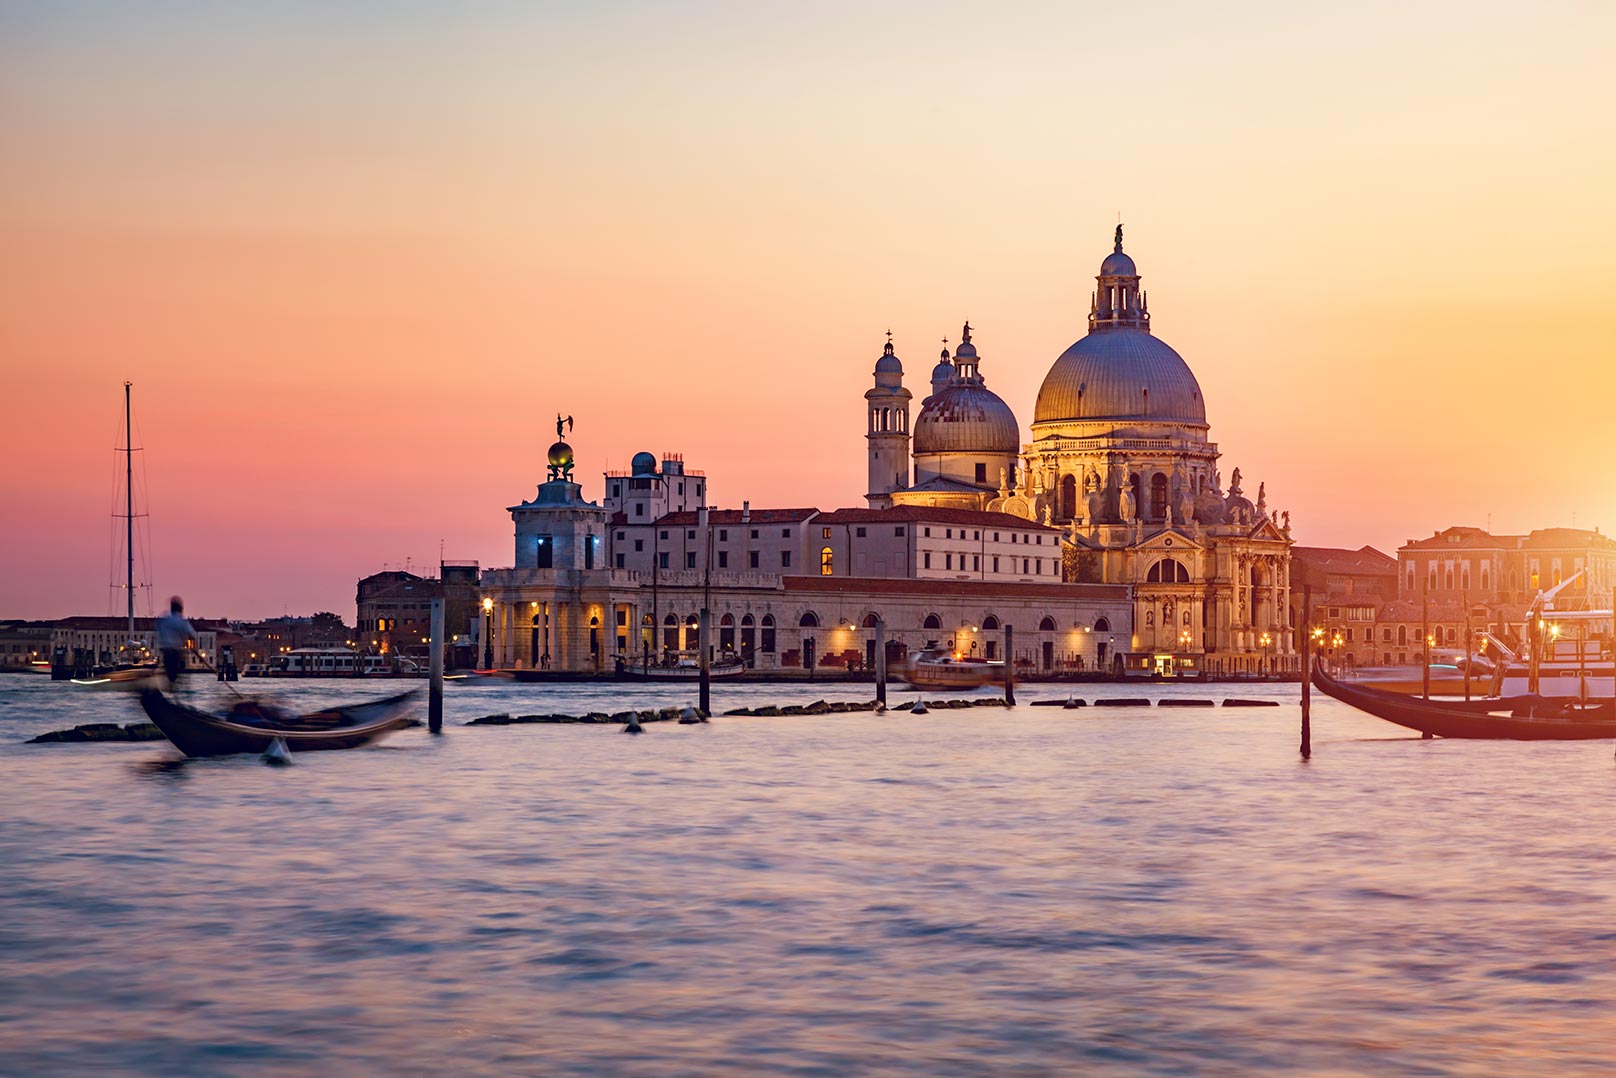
{"x": 824, "y": 533}
{"x": 826, "y": 561}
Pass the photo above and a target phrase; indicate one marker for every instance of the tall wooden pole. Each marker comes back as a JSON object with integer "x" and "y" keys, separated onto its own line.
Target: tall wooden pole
{"x": 1468, "y": 650}
{"x": 1425, "y": 639}
{"x": 706, "y": 704}
{"x": 1307, "y": 671}
{"x": 434, "y": 697}
{"x": 881, "y": 663}
{"x": 1009, "y": 667}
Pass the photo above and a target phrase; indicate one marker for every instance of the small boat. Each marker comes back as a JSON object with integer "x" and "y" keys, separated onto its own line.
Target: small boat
{"x": 1521, "y": 719}
{"x": 682, "y": 670}
{"x": 253, "y": 727}
{"x": 941, "y": 668}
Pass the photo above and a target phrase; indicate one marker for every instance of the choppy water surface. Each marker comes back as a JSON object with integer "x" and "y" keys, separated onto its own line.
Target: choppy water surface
{"x": 971, "y": 892}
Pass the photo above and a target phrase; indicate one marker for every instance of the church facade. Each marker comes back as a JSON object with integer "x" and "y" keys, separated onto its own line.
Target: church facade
{"x": 1121, "y": 460}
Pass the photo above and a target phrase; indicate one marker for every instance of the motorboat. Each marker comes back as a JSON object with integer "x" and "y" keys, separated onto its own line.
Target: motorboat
{"x": 942, "y": 669}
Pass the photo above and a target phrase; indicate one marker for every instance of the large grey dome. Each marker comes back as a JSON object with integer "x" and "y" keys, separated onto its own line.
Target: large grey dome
{"x": 966, "y": 417}
{"x": 1120, "y": 373}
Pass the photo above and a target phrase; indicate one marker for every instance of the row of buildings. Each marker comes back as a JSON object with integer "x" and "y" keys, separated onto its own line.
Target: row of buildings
{"x": 1373, "y": 609}
{"x": 1107, "y": 539}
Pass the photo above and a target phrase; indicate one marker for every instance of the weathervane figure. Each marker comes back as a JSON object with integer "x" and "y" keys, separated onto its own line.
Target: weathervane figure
{"x": 559, "y": 422}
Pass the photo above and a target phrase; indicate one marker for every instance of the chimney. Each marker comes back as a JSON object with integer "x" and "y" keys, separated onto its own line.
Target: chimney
{"x": 746, "y": 512}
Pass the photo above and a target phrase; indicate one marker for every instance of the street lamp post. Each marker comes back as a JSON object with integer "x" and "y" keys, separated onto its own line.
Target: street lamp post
{"x": 1264, "y": 641}
{"x": 488, "y": 633}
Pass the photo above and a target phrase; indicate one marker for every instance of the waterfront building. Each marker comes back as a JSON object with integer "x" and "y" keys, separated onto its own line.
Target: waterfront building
{"x": 395, "y": 611}
{"x": 1464, "y": 575}
{"x": 24, "y": 643}
{"x": 1350, "y": 588}
{"x": 106, "y": 640}
{"x": 1120, "y": 459}
{"x": 787, "y": 588}
{"x": 1116, "y": 495}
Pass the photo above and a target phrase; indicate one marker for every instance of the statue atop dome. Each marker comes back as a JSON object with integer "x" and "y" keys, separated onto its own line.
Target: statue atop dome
{"x": 1118, "y": 248}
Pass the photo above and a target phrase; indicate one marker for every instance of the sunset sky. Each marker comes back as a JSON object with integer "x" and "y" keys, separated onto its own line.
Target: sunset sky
{"x": 356, "y": 256}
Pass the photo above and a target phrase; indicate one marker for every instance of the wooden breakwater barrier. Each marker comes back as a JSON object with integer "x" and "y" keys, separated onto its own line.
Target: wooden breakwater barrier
{"x": 677, "y": 714}
{"x": 1145, "y": 701}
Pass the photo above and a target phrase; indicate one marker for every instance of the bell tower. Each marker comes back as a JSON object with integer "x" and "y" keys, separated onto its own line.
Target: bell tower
{"x": 887, "y": 430}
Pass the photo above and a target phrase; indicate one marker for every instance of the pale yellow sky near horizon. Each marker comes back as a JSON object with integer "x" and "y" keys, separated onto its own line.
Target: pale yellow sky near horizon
{"x": 356, "y": 256}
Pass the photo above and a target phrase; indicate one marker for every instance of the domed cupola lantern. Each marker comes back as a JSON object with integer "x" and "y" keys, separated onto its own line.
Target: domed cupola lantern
{"x": 1118, "y": 301}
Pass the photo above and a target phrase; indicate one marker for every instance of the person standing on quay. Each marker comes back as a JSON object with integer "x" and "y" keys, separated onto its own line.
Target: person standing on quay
{"x": 173, "y": 634}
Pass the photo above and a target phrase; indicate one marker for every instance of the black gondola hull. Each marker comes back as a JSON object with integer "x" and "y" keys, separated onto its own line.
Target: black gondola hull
{"x": 197, "y": 733}
{"x": 1440, "y": 720}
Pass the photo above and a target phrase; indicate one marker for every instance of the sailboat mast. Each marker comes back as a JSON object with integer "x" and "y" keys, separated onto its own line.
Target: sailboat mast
{"x": 129, "y": 507}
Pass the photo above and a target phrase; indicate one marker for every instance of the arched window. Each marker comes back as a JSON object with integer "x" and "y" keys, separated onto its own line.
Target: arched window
{"x": 990, "y": 623}
{"x": 692, "y": 622}
{"x": 1402, "y": 635}
{"x": 727, "y": 619}
{"x": 766, "y": 636}
{"x": 768, "y": 620}
{"x": 809, "y": 620}
{"x": 1158, "y": 497}
{"x": 645, "y": 619}
{"x": 1168, "y": 571}
{"x": 670, "y": 620}
{"x": 1484, "y": 581}
{"x": 1047, "y": 625}
{"x": 1102, "y": 625}
{"x": 933, "y": 622}
{"x": 1449, "y": 579}
{"x": 746, "y": 620}
{"x": 827, "y": 561}
{"x": 870, "y": 621}
{"x": 1068, "y": 497}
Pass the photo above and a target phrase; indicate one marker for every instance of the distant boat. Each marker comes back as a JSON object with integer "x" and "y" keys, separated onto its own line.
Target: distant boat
{"x": 1526, "y": 719}
{"x": 683, "y": 670}
{"x": 942, "y": 669}
{"x": 251, "y": 728}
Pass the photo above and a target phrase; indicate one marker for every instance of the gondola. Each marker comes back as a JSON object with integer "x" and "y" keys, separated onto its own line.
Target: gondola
{"x": 251, "y": 728}
{"x": 1541, "y": 721}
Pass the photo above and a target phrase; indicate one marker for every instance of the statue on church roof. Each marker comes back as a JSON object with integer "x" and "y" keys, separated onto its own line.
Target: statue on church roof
{"x": 1119, "y": 236}
{"x": 1262, "y": 499}
{"x": 1234, "y": 482}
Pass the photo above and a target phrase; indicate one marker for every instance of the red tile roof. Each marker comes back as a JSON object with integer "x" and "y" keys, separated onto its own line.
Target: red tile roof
{"x": 1339, "y": 560}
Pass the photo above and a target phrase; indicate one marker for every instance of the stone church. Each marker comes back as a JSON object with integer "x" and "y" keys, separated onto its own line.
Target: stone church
{"x": 1120, "y": 460}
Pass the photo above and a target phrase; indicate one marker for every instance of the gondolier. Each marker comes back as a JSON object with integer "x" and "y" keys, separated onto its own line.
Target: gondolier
{"x": 173, "y": 633}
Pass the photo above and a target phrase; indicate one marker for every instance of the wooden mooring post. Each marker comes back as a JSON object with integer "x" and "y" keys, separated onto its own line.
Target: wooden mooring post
{"x": 1307, "y": 671}
{"x": 434, "y": 692}
{"x": 881, "y": 663}
{"x": 706, "y": 703}
{"x": 1009, "y": 667}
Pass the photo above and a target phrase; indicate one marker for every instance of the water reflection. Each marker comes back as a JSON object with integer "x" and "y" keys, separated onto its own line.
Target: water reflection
{"x": 967, "y": 892}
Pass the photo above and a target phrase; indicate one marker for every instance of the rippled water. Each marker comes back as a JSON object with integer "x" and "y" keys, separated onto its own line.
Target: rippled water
{"x": 970, "y": 892}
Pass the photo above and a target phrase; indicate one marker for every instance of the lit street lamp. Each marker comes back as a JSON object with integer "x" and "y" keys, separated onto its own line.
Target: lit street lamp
{"x": 1264, "y": 641}
{"x": 488, "y": 633}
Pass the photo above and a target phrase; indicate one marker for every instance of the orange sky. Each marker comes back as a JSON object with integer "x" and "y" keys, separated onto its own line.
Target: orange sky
{"x": 356, "y": 258}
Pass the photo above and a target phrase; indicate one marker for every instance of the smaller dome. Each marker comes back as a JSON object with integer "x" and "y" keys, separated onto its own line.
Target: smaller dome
{"x": 966, "y": 350}
{"x": 1118, "y": 264}
{"x": 888, "y": 363}
{"x": 560, "y": 454}
{"x": 966, "y": 417}
{"x": 643, "y": 464}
